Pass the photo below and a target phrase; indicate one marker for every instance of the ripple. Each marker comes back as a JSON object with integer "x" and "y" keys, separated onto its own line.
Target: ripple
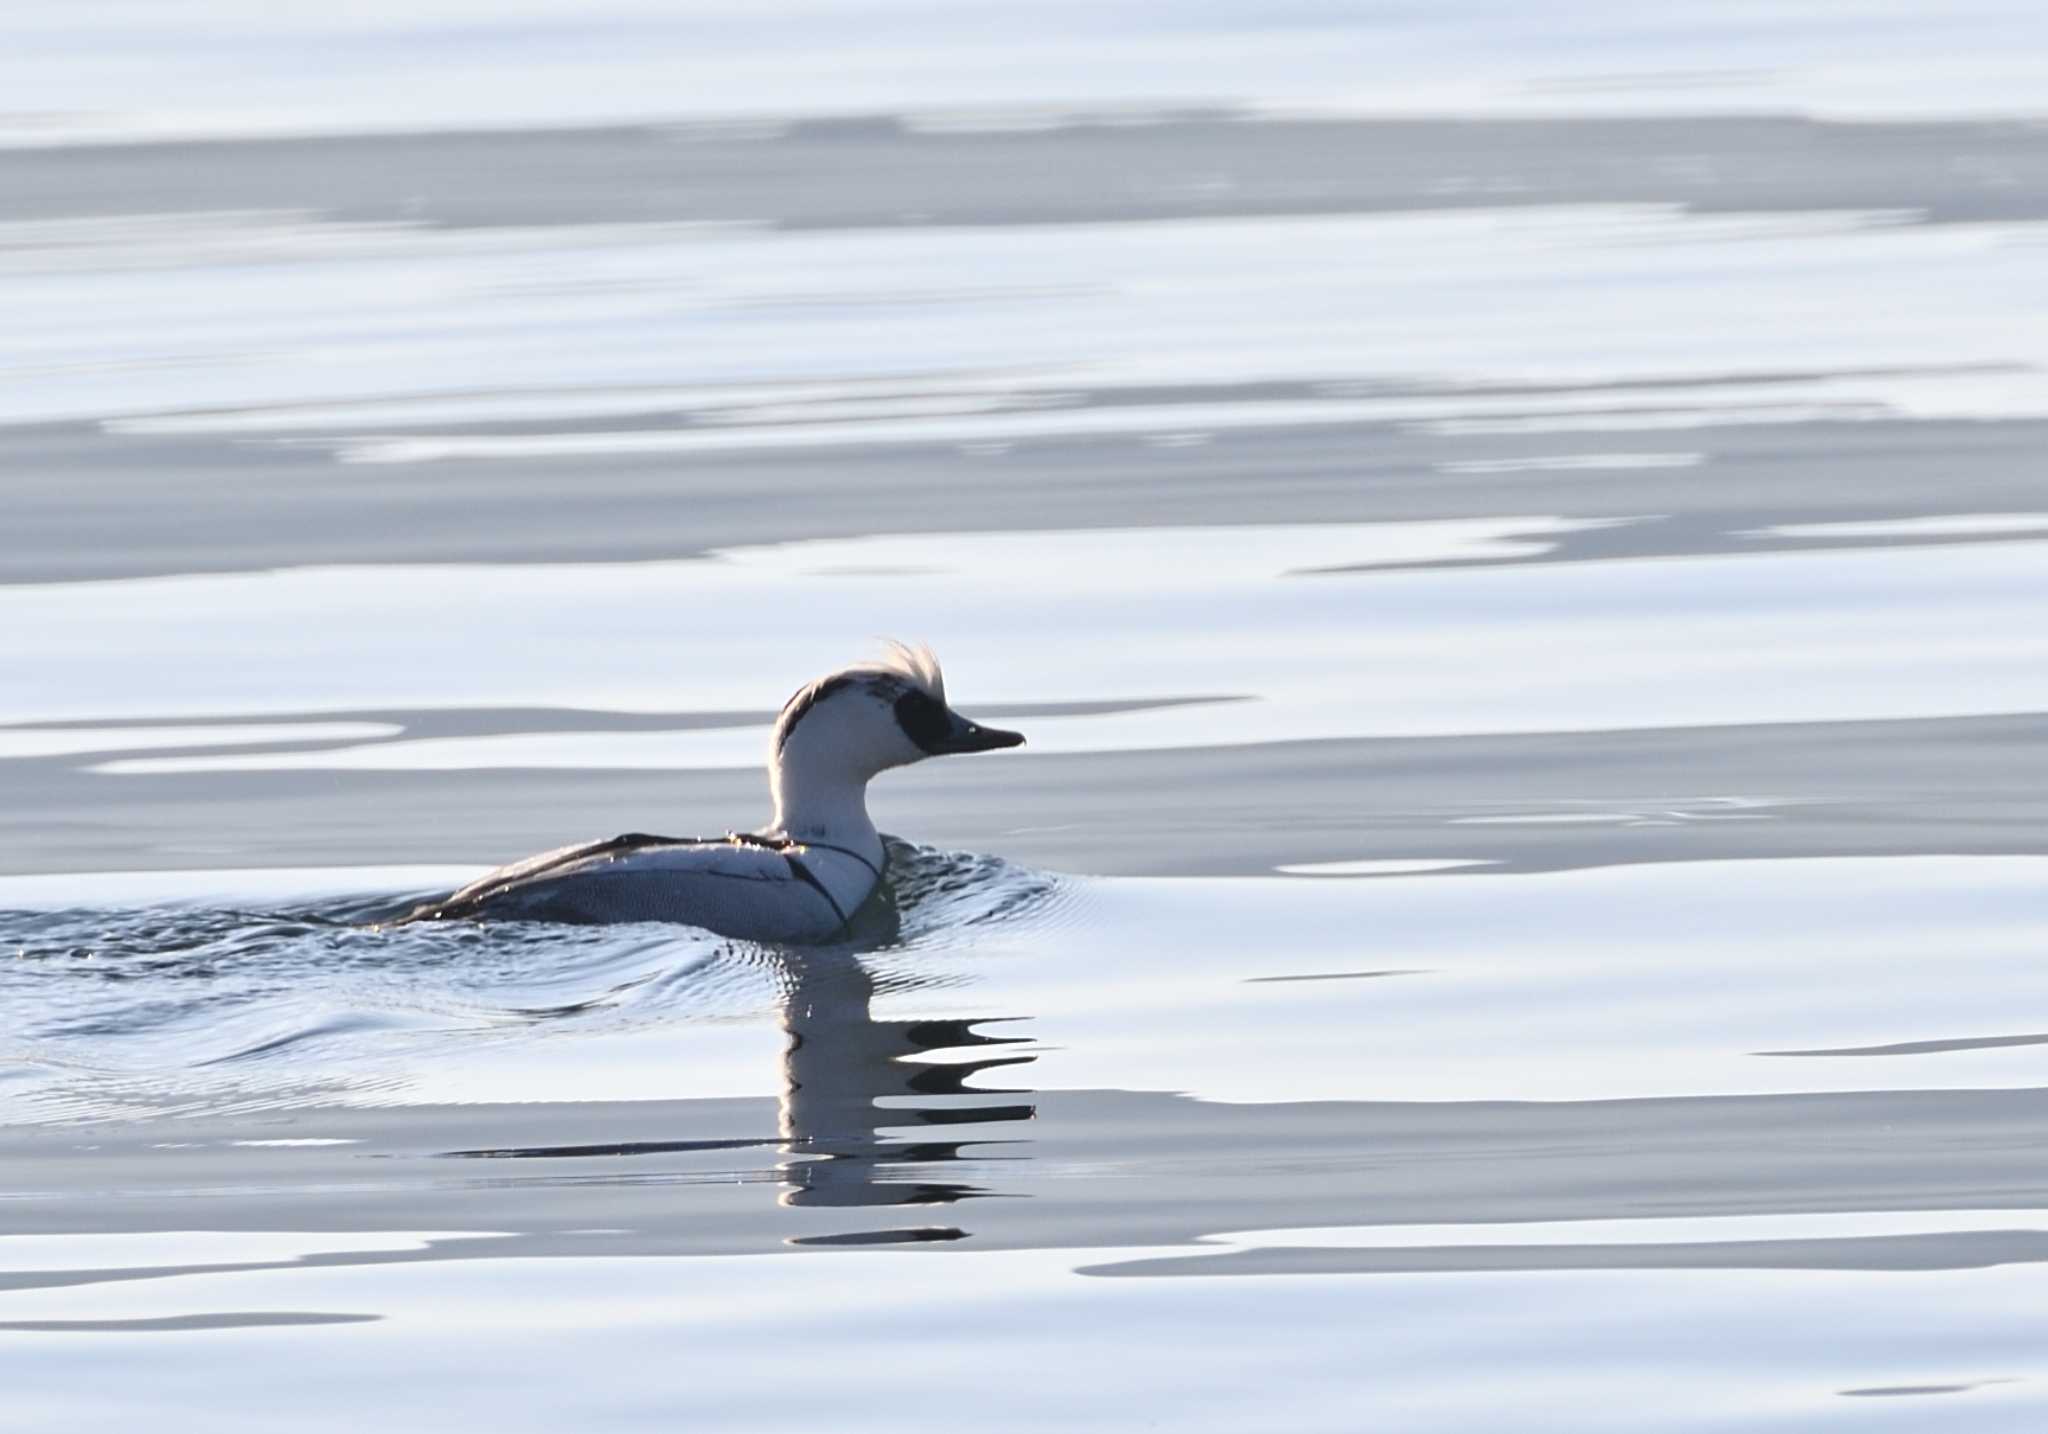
{"x": 135, "y": 1007}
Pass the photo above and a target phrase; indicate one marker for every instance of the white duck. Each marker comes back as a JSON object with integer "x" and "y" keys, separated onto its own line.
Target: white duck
{"x": 798, "y": 879}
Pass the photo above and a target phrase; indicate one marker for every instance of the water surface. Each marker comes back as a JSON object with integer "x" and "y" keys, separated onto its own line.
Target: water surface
{"x": 1523, "y": 904}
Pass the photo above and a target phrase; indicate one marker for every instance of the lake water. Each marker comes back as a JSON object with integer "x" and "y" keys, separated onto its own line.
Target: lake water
{"x": 1524, "y": 904}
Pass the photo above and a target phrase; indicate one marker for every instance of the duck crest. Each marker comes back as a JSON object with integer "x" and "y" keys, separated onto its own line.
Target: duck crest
{"x": 901, "y": 668}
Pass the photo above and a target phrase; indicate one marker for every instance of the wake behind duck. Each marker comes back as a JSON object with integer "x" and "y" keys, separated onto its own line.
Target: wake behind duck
{"x": 798, "y": 879}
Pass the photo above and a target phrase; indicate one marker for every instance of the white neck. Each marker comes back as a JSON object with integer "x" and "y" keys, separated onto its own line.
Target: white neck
{"x": 818, "y": 799}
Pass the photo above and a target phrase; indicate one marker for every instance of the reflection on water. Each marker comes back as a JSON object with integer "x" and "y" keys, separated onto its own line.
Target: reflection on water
{"x": 1306, "y": 1153}
{"x": 842, "y": 1064}
{"x": 1540, "y": 680}
{"x": 126, "y": 1010}
{"x": 850, "y": 1084}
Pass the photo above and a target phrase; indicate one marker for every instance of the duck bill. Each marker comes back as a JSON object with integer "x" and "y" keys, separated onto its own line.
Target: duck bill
{"x": 965, "y": 736}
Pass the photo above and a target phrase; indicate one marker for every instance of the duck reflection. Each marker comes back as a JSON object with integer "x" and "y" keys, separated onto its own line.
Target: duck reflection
{"x": 842, "y": 1063}
{"x": 872, "y": 1112}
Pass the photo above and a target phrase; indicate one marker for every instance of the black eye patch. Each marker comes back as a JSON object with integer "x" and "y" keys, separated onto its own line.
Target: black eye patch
{"x": 923, "y": 719}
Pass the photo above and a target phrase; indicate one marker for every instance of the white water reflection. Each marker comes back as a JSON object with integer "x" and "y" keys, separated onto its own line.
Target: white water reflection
{"x": 1650, "y": 1230}
{"x": 18, "y": 742}
{"x": 1600, "y": 987}
{"x": 1600, "y": 984}
{"x": 1272, "y": 613}
{"x": 1445, "y": 317}
{"x": 1415, "y": 1070}
{"x": 1709, "y": 978}
{"x": 181, "y": 1249}
{"x": 232, "y": 67}
{"x": 1953, "y": 525}
{"x": 1713, "y": 1351}
{"x": 1408, "y": 866}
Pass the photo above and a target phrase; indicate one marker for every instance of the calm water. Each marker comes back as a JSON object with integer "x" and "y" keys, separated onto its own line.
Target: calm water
{"x": 1525, "y": 902}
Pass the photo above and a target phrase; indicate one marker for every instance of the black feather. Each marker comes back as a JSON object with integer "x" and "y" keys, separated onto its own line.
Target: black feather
{"x": 923, "y": 719}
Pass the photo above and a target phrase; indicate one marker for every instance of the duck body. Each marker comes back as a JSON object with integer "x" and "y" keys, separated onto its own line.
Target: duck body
{"x": 738, "y": 886}
{"x": 798, "y": 880}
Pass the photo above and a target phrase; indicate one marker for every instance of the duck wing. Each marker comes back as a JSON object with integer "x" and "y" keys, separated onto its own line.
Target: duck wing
{"x": 734, "y": 888}
{"x": 471, "y": 899}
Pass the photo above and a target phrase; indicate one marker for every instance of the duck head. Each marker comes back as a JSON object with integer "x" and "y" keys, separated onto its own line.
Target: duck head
{"x": 843, "y": 729}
